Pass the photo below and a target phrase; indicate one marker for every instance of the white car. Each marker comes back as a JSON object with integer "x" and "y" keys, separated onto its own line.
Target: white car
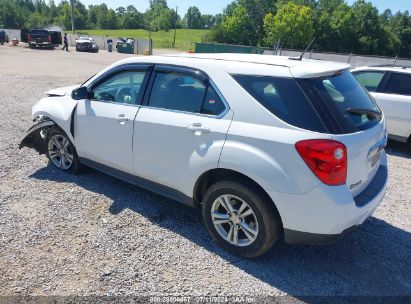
{"x": 391, "y": 88}
{"x": 266, "y": 145}
{"x": 86, "y": 44}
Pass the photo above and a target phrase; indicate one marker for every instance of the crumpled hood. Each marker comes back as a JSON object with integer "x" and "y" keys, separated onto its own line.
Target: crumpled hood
{"x": 62, "y": 91}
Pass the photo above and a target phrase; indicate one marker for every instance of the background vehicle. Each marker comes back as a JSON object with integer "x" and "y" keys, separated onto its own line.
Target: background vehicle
{"x": 4, "y": 38}
{"x": 391, "y": 88}
{"x": 86, "y": 44}
{"x": 266, "y": 145}
{"x": 39, "y": 38}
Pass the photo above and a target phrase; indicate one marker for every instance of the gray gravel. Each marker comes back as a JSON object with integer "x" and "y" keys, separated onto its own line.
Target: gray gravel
{"x": 94, "y": 235}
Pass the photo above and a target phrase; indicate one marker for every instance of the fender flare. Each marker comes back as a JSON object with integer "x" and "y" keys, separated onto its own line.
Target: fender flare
{"x": 35, "y": 138}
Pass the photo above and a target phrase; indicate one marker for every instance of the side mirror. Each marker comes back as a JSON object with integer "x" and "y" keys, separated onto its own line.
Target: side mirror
{"x": 80, "y": 93}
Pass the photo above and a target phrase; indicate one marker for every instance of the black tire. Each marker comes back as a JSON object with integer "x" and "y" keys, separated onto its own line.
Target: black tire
{"x": 76, "y": 167}
{"x": 269, "y": 221}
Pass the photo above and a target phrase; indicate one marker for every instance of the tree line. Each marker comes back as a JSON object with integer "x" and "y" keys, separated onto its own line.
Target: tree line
{"x": 335, "y": 25}
{"x": 39, "y": 14}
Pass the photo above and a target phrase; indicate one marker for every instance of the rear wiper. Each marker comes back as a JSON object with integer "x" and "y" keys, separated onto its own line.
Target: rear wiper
{"x": 367, "y": 112}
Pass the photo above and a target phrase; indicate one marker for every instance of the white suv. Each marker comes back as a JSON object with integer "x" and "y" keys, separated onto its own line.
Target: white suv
{"x": 391, "y": 88}
{"x": 267, "y": 146}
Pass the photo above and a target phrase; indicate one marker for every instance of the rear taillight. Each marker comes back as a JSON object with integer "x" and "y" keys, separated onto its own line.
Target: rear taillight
{"x": 29, "y": 38}
{"x": 49, "y": 38}
{"x": 326, "y": 158}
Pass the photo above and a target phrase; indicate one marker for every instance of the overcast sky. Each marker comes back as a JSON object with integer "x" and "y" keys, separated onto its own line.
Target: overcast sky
{"x": 216, "y": 6}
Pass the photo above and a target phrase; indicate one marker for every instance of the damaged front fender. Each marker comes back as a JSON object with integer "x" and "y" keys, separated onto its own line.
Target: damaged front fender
{"x": 36, "y": 137}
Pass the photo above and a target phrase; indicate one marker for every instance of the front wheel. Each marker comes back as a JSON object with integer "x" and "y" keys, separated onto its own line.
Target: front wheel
{"x": 240, "y": 219}
{"x": 61, "y": 152}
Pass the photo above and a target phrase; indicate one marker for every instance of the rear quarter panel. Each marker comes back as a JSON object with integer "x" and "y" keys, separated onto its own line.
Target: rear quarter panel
{"x": 268, "y": 156}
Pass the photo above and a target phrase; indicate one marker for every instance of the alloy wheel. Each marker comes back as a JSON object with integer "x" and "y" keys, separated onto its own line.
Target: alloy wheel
{"x": 234, "y": 220}
{"x": 60, "y": 152}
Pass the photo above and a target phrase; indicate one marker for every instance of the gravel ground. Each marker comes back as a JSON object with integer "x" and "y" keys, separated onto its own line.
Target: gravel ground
{"x": 94, "y": 235}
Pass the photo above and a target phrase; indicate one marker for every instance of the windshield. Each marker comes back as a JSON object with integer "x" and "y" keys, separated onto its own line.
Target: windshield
{"x": 39, "y": 32}
{"x": 343, "y": 98}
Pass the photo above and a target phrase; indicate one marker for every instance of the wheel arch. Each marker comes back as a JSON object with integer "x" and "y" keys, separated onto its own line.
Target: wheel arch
{"x": 60, "y": 110}
{"x": 218, "y": 174}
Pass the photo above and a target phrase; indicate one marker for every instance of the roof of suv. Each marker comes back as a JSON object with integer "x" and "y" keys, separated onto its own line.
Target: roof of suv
{"x": 232, "y": 63}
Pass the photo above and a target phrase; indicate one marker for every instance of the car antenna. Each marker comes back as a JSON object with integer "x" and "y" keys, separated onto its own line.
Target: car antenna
{"x": 302, "y": 54}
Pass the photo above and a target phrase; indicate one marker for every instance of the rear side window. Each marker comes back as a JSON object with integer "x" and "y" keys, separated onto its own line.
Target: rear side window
{"x": 284, "y": 98}
{"x": 370, "y": 79}
{"x": 349, "y": 104}
{"x": 39, "y": 32}
{"x": 213, "y": 105}
{"x": 399, "y": 84}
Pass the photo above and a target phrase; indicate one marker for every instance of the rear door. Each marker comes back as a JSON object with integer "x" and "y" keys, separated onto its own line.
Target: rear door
{"x": 357, "y": 123}
{"x": 180, "y": 129}
{"x": 395, "y": 100}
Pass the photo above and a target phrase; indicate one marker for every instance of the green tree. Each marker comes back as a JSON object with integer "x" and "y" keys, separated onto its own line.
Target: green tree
{"x": 237, "y": 27}
{"x": 159, "y": 16}
{"x": 368, "y": 26}
{"x": 132, "y": 18}
{"x": 292, "y": 24}
{"x": 193, "y": 18}
{"x": 207, "y": 21}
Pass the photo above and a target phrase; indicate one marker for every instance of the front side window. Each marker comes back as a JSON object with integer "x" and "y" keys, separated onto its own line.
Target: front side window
{"x": 400, "y": 83}
{"x": 123, "y": 87}
{"x": 369, "y": 79}
{"x": 183, "y": 92}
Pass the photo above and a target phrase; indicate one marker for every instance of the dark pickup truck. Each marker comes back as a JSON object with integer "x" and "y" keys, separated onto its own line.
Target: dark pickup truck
{"x": 3, "y": 38}
{"x": 39, "y": 38}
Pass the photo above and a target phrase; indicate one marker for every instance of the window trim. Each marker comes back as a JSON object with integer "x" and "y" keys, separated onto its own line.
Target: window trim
{"x": 199, "y": 74}
{"x": 120, "y": 69}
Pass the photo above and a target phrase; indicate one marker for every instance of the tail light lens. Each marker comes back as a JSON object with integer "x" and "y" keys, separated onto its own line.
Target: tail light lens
{"x": 49, "y": 38}
{"x": 327, "y": 159}
{"x": 29, "y": 38}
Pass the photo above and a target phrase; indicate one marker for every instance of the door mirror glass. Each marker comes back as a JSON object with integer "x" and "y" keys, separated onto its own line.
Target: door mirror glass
{"x": 80, "y": 93}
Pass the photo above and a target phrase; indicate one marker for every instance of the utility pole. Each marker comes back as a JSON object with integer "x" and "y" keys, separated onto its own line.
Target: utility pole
{"x": 72, "y": 16}
{"x": 175, "y": 28}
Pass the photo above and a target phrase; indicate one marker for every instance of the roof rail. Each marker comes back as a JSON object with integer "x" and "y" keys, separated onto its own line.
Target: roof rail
{"x": 390, "y": 65}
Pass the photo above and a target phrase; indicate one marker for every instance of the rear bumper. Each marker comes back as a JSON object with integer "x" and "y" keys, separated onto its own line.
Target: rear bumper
{"x": 328, "y": 212}
{"x": 298, "y": 237}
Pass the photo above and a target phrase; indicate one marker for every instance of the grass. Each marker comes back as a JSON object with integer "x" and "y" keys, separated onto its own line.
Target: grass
{"x": 185, "y": 38}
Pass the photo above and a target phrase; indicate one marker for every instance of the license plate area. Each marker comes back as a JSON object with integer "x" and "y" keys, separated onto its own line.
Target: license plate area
{"x": 374, "y": 153}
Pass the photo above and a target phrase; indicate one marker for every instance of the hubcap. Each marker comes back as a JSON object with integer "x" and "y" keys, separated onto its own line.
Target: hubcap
{"x": 234, "y": 220}
{"x": 60, "y": 152}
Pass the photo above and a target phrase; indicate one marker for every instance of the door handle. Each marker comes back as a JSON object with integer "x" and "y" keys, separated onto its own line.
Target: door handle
{"x": 121, "y": 118}
{"x": 198, "y": 129}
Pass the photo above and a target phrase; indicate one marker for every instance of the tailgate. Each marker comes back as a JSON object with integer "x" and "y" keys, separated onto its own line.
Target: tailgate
{"x": 364, "y": 151}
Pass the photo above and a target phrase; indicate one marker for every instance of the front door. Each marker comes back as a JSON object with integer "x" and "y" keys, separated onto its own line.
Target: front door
{"x": 104, "y": 123}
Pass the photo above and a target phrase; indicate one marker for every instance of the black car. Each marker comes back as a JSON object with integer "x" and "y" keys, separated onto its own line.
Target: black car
{"x": 3, "y": 38}
{"x": 86, "y": 44}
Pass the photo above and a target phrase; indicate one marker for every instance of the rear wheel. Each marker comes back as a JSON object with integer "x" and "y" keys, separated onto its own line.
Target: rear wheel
{"x": 240, "y": 219}
{"x": 61, "y": 152}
